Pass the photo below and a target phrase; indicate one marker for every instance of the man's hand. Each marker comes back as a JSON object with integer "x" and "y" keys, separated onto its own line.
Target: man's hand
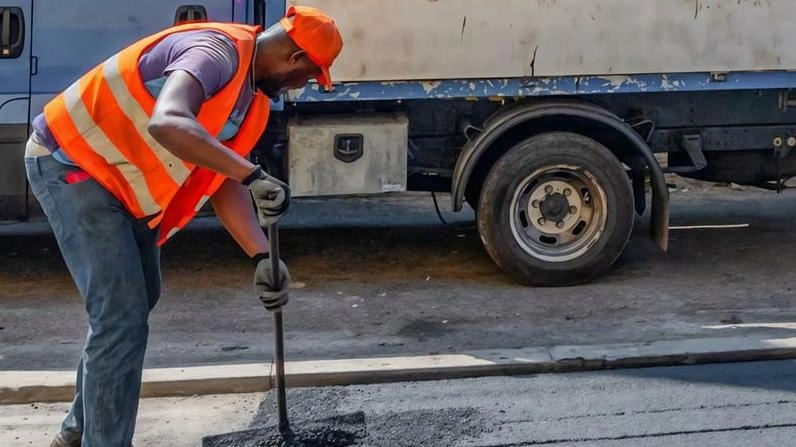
{"x": 271, "y": 196}
{"x": 272, "y": 299}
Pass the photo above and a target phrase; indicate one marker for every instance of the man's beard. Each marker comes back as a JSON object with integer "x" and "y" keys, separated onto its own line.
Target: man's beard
{"x": 269, "y": 88}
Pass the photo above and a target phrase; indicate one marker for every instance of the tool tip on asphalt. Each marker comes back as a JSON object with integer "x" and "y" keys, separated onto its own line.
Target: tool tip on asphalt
{"x": 340, "y": 431}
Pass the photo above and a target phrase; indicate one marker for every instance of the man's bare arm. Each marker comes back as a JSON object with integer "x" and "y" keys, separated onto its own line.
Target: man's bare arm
{"x": 173, "y": 124}
{"x": 233, "y": 205}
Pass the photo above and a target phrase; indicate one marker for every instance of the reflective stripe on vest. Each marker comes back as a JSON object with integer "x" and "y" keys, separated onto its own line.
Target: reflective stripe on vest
{"x": 101, "y": 123}
{"x": 177, "y": 170}
{"x": 97, "y": 139}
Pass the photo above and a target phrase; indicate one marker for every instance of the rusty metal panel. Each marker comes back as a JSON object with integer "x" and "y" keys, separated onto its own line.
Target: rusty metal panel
{"x": 467, "y": 39}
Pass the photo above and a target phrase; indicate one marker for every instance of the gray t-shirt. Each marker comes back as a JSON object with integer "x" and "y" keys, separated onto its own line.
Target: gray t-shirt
{"x": 209, "y": 56}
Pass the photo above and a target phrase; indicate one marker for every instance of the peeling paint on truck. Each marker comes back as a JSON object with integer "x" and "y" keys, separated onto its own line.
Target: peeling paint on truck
{"x": 565, "y": 85}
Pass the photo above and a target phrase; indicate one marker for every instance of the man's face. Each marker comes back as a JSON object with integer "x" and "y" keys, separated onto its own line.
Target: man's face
{"x": 287, "y": 75}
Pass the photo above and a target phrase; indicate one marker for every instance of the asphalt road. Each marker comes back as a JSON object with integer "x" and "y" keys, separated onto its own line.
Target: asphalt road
{"x": 750, "y": 404}
{"x": 383, "y": 277}
{"x": 728, "y": 405}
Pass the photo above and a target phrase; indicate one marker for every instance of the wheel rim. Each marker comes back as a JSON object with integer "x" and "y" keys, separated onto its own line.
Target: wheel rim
{"x": 558, "y": 213}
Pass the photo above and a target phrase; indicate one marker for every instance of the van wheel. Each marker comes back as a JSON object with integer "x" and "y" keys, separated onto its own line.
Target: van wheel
{"x": 556, "y": 210}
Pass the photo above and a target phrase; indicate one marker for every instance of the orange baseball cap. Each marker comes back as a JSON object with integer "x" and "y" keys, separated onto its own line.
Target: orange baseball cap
{"x": 316, "y": 34}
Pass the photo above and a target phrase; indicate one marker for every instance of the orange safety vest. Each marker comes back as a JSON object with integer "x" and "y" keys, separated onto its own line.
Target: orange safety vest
{"x": 101, "y": 123}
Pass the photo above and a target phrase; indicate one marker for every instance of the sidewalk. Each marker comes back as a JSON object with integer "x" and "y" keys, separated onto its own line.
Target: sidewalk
{"x": 173, "y": 422}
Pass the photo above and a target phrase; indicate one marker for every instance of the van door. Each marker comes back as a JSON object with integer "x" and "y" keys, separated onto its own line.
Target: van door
{"x": 15, "y": 66}
{"x": 73, "y": 36}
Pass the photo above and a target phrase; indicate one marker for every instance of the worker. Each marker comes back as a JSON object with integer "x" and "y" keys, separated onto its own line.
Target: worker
{"x": 123, "y": 159}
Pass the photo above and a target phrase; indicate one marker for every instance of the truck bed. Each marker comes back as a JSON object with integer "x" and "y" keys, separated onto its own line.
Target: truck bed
{"x": 469, "y": 39}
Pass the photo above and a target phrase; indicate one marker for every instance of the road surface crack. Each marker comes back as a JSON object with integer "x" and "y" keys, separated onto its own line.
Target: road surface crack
{"x": 658, "y": 411}
{"x": 649, "y": 435}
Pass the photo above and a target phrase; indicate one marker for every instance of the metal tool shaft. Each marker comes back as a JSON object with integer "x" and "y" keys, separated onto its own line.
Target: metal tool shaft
{"x": 279, "y": 334}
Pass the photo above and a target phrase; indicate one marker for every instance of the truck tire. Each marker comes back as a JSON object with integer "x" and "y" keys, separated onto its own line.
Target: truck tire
{"x": 556, "y": 210}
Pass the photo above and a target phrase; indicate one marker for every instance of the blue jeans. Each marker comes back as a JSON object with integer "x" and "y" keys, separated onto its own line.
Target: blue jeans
{"x": 115, "y": 263}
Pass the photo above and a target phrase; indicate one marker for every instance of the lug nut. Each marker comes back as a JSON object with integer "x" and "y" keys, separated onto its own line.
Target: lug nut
{"x": 535, "y": 204}
{"x": 791, "y": 141}
{"x": 560, "y": 224}
{"x": 567, "y": 192}
{"x": 542, "y": 221}
{"x": 778, "y": 142}
{"x": 573, "y": 210}
{"x": 548, "y": 189}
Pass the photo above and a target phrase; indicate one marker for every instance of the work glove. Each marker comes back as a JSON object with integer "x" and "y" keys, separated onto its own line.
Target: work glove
{"x": 272, "y": 299}
{"x": 271, "y": 196}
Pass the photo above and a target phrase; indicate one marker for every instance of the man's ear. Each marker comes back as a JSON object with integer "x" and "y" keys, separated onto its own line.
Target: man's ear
{"x": 296, "y": 56}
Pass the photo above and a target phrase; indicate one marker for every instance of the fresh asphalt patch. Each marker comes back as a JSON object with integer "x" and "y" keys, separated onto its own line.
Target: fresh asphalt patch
{"x": 314, "y": 427}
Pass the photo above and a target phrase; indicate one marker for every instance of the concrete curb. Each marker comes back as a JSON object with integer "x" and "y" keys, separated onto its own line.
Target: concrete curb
{"x": 24, "y": 387}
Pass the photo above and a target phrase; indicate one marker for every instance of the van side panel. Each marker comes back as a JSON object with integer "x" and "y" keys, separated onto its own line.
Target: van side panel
{"x": 14, "y": 101}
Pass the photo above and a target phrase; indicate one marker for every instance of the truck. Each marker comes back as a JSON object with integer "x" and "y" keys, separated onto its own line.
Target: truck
{"x": 555, "y": 120}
